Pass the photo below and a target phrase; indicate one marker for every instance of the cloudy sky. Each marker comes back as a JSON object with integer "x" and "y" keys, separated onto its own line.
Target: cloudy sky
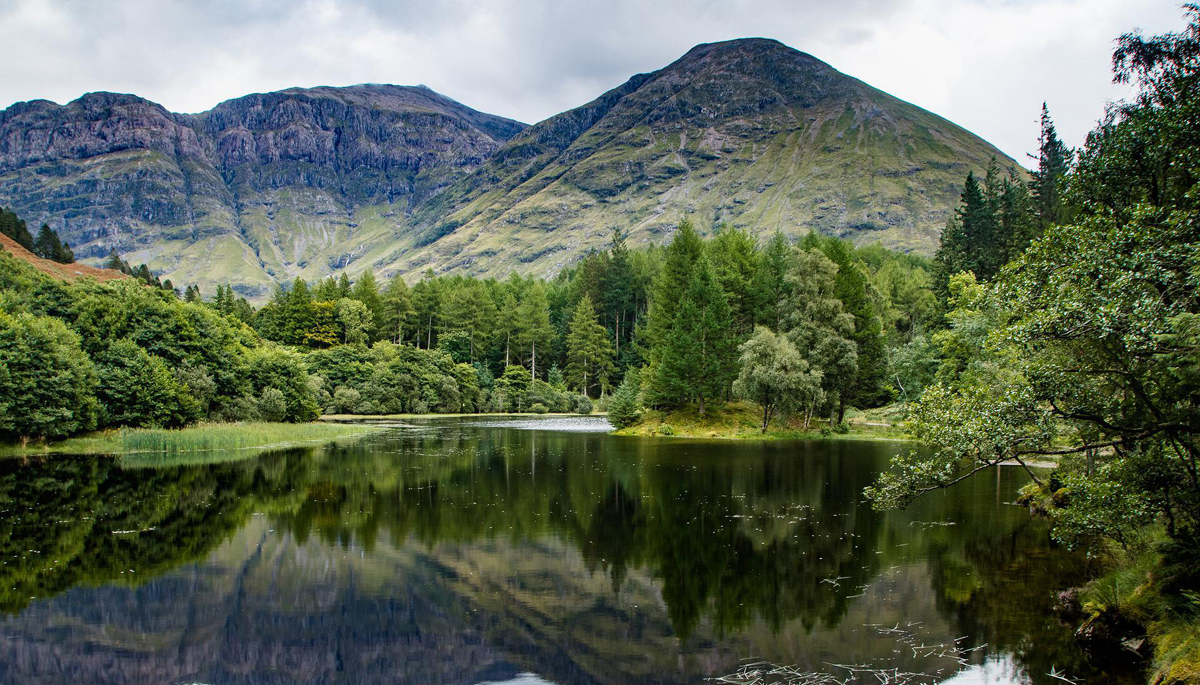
{"x": 984, "y": 64}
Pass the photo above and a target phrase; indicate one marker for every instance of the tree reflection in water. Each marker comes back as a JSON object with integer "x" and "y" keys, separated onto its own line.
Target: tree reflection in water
{"x": 462, "y": 553}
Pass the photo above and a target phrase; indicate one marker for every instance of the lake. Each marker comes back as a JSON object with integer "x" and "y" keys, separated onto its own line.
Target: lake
{"x": 524, "y": 552}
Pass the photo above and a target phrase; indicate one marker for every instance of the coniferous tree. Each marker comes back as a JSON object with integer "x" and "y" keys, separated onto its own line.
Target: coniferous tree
{"x": 298, "y": 319}
{"x": 468, "y": 309}
{"x": 534, "y": 330}
{"x": 398, "y": 312}
{"x": 48, "y": 246}
{"x": 114, "y": 261}
{"x": 668, "y": 290}
{"x": 696, "y": 357}
{"x": 14, "y": 227}
{"x": 366, "y": 290}
{"x": 770, "y": 279}
{"x": 617, "y": 285}
{"x": 868, "y": 386}
{"x": 1054, "y": 160}
{"x": 427, "y": 303}
{"x": 731, "y": 252}
{"x": 327, "y": 290}
{"x": 589, "y": 351}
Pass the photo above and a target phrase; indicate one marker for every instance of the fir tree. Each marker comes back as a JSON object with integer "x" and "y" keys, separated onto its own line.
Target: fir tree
{"x": 589, "y": 352}
{"x": 696, "y": 356}
{"x": 1054, "y": 160}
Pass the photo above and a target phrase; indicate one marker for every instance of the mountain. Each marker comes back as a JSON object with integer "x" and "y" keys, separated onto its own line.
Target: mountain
{"x": 308, "y": 182}
{"x": 257, "y": 189}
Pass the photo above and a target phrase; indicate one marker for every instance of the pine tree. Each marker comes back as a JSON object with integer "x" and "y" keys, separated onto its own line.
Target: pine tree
{"x": 468, "y": 309}
{"x": 427, "y": 303}
{"x": 868, "y": 387}
{"x": 617, "y": 290}
{"x": 343, "y": 286}
{"x": 14, "y": 227}
{"x": 327, "y": 290}
{"x": 589, "y": 352}
{"x": 398, "y": 312}
{"x": 114, "y": 261}
{"x": 298, "y": 314}
{"x": 366, "y": 290}
{"x": 1054, "y": 160}
{"x": 696, "y": 357}
{"x": 770, "y": 280}
{"x": 668, "y": 290}
{"x": 732, "y": 254}
{"x": 534, "y": 330}
{"x": 48, "y": 246}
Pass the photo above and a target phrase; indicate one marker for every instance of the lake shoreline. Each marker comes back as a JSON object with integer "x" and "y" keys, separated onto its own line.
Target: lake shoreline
{"x": 204, "y": 437}
{"x": 743, "y": 421}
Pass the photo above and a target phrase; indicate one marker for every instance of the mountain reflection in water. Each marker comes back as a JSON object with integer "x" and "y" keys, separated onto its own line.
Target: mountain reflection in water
{"x": 469, "y": 551}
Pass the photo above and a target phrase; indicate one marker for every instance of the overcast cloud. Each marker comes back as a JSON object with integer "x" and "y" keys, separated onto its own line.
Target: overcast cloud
{"x": 984, "y": 64}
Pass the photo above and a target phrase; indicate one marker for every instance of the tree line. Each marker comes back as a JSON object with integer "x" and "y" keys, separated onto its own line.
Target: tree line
{"x": 46, "y": 245}
{"x": 1081, "y": 343}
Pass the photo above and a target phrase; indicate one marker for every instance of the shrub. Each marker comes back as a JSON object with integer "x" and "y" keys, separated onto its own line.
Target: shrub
{"x": 46, "y": 381}
{"x": 538, "y": 408}
{"x": 581, "y": 404}
{"x": 346, "y": 400}
{"x": 625, "y": 405}
{"x": 272, "y": 406}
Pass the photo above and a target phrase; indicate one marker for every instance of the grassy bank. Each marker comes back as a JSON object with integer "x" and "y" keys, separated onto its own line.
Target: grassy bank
{"x": 1147, "y": 585}
{"x": 377, "y": 417}
{"x": 205, "y": 437}
{"x": 743, "y": 421}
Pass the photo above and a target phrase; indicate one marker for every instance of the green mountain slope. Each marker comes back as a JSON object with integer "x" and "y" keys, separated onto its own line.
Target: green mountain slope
{"x": 749, "y": 132}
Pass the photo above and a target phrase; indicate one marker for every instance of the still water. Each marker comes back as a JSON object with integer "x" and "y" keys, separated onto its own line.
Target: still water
{"x": 530, "y": 552}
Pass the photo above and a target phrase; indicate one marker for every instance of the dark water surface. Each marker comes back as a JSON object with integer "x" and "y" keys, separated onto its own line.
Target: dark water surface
{"x": 461, "y": 551}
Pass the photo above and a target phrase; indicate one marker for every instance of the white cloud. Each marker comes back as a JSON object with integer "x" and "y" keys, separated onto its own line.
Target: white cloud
{"x": 985, "y": 64}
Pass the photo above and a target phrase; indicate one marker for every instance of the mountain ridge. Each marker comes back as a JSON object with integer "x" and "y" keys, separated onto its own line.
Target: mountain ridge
{"x": 398, "y": 179}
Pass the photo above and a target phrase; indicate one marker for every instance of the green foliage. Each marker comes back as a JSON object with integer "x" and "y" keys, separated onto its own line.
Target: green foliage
{"x": 625, "y": 405}
{"x": 14, "y": 227}
{"x": 589, "y": 352}
{"x": 774, "y": 375}
{"x": 137, "y": 389}
{"x": 48, "y": 246}
{"x": 1084, "y": 349}
{"x": 581, "y": 404}
{"x": 46, "y": 380}
{"x": 355, "y": 320}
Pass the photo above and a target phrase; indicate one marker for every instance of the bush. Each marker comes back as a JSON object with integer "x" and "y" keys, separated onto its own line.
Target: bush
{"x": 137, "y": 389}
{"x": 243, "y": 408}
{"x": 46, "y": 381}
{"x": 272, "y": 406}
{"x": 625, "y": 405}
{"x": 539, "y": 408}
{"x": 842, "y": 428}
{"x": 581, "y": 404}
{"x": 346, "y": 400}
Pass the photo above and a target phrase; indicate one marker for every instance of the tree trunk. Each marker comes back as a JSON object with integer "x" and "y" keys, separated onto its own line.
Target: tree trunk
{"x": 702, "y": 405}
{"x": 841, "y": 415}
{"x": 533, "y": 362}
{"x": 766, "y": 417}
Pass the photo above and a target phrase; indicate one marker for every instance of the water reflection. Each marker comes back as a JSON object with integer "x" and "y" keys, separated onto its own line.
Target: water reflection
{"x": 459, "y": 553}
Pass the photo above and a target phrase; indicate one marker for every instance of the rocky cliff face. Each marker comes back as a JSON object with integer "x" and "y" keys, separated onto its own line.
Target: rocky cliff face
{"x": 308, "y": 182}
{"x": 251, "y": 191}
